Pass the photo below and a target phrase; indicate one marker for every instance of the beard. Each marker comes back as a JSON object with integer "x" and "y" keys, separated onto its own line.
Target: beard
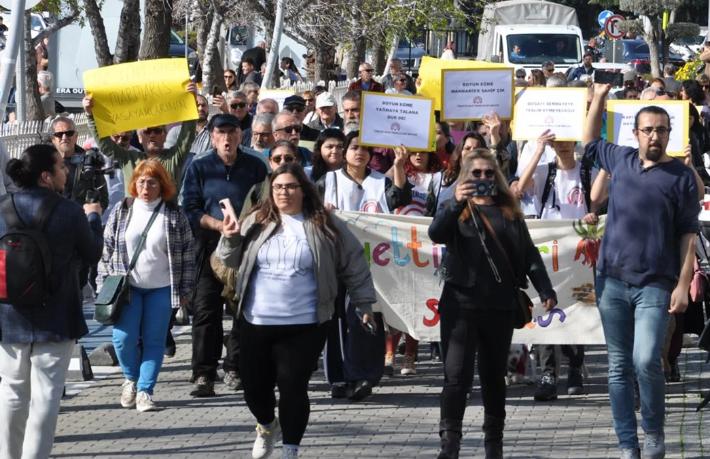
{"x": 654, "y": 153}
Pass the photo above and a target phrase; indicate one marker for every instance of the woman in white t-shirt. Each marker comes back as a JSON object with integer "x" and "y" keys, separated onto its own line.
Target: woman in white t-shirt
{"x": 291, "y": 255}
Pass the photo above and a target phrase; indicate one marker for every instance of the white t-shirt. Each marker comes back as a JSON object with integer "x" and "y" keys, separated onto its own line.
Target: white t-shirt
{"x": 566, "y": 198}
{"x": 282, "y": 289}
{"x": 152, "y": 268}
{"x": 527, "y": 204}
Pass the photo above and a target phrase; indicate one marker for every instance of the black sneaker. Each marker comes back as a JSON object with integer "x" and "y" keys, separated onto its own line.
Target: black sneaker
{"x": 360, "y": 390}
{"x": 339, "y": 390}
{"x": 204, "y": 387}
{"x": 232, "y": 381}
{"x": 546, "y": 388}
{"x": 575, "y": 382}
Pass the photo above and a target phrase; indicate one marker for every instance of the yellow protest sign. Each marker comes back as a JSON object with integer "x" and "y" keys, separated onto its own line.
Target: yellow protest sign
{"x": 140, "y": 94}
{"x": 430, "y": 74}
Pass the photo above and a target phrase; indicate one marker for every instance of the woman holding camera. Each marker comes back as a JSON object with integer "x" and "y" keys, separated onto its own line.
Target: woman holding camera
{"x": 150, "y": 229}
{"x": 489, "y": 255}
{"x": 290, "y": 254}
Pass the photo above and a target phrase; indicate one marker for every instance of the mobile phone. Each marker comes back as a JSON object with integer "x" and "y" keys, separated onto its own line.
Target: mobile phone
{"x": 215, "y": 91}
{"x": 367, "y": 325}
{"x": 227, "y": 209}
{"x": 615, "y": 79}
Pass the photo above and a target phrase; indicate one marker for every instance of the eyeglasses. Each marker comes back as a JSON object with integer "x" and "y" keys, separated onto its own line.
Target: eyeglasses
{"x": 237, "y": 105}
{"x": 295, "y": 108}
{"x": 661, "y": 92}
{"x": 662, "y": 131}
{"x": 488, "y": 173}
{"x": 285, "y": 158}
{"x": 147, "y": 183}
{"x": 154, "y": 130}
{"x": 291, "y": 129}
{"x": 289, "y": 187}
{"x": 59, "y": 135}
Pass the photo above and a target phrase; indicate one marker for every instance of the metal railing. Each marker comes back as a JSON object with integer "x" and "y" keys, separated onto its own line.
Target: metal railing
{"x": 19, "y": 135}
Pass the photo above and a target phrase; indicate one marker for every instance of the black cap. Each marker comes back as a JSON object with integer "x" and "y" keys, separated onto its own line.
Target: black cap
{"x": 294, "y": 100}
{"x": 223, "y": 119}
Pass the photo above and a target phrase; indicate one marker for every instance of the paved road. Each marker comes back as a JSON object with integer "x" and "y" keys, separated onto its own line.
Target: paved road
{"x": 399, "y": 420}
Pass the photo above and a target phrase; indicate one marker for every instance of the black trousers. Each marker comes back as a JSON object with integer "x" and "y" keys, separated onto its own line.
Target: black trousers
{"x": 465, "y": 334}
{"x": 283, "y": 356}
{"x": 207, "y": 330}
{"x": 548, "y": 357}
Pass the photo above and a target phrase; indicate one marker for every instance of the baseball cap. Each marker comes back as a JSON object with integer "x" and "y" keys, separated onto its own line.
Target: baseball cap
{"x": 325, "y": 99}
{"x": 630, "y": 75}
{"x": 223, "y": 119}
{"x": 294, "y": 100}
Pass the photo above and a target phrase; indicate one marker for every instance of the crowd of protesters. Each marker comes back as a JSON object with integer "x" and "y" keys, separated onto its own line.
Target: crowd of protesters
{"x": 233, "y": 213}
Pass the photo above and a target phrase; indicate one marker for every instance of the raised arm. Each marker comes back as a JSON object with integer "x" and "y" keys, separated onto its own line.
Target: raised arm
{"x": 593, "y": 125}
{"x": 525, "y": 180}
{"x": 105, "y": 144}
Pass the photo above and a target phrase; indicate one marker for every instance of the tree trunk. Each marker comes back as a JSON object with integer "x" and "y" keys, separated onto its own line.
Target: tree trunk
{"x": 269, "y": 21}
{"x": 378, "y": 57}
{"x": 128, "y": 41}
{"x": 211, "y": 63}
{"x": 356, "y": 55}
{"x": 325, "y": 62}
{"x": 34, "y": 103}
{"x": 156, "y": 37}
{"x": 96, "y": 22}
{"x": 651, "y": 37}
{"x": 270, "y": 76}
{"x": 203, "y": 31}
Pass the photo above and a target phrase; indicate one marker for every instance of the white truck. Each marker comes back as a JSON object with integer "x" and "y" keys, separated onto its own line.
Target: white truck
{"x": 527, "y": 33}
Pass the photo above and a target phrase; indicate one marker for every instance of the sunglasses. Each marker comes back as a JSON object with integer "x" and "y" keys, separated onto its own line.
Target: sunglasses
{"x": 154, "y": 130}
{"x": 309, "y": 100}
{"x": 488, "y": 173}
{"x": 237, "y": 105}
{"x": 59, "y": 135}
{"x": 285, "y": 158}
{"x": 295, "y": 108}
{"x": 291, "y": 129}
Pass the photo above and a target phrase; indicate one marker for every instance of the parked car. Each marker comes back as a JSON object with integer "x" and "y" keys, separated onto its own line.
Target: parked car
{"x": 636, "y": 54}
{"x": 178, "y": 48}
{"x": 688, "y": 47}
{"x": 410, "y": 53}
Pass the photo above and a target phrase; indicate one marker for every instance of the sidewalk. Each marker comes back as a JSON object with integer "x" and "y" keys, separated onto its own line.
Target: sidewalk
{"x": 399, "y": 420}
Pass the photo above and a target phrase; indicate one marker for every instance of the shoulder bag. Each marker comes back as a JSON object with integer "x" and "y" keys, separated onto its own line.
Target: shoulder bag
{"x": 522, "y": 309}
{"x": 114, "y": 294}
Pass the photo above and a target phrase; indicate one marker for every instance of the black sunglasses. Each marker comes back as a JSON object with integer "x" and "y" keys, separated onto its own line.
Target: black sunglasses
{"x": 237, "y": 105}
{"x": 154, "y": 130}
{"x": 59, "y": 135}
{"x": 291, "y": 129}
{"x": 488, "y": 173}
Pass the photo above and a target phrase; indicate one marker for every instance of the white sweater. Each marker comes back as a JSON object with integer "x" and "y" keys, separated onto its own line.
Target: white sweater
{"x": 152, "y": 268}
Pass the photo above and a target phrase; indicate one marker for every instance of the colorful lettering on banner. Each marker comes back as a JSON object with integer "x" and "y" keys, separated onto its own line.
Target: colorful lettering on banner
{"x": 405, "y": 267}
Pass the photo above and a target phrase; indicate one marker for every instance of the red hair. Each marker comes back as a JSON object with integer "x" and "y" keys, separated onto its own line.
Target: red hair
{"x": 153, "y": 168}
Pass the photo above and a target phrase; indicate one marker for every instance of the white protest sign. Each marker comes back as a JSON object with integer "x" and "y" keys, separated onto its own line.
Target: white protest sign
{"x": 469, "y": 94}
{"x": 279, "y": 95}
{"x": 621, "y": 115}
{"x": 405, "y": 266}
{"x": 561, "y": 110}
{"x": 389, "y": 120}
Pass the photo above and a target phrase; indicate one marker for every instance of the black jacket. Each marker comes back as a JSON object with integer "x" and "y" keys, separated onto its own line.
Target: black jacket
{"x": 463, "y": 251}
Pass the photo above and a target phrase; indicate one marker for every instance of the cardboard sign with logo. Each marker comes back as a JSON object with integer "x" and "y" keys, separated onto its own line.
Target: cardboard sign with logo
{"x": 470, "y": 94}
{"x": 389, "y": 120}
{"x": 561, "y": 110}
{"x": 621, "y": 115}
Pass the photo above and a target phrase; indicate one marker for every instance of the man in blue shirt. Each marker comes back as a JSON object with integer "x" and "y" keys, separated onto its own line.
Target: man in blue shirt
{"x": 230, "y": 173}
{"x": 645, "y": 265}
{"x": 586, "y": 70}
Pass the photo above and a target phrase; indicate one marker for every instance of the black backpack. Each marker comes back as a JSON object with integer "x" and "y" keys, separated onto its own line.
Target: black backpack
{"x": 585, "y": 175}
{"x": 25, "y": 258}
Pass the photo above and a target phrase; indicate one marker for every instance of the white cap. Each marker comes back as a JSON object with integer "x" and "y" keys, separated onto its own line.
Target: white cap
{"x": 325, "y": 99}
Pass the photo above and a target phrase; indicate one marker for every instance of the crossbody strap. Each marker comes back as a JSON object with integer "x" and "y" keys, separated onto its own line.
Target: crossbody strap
{"x": 144, "y": 236}
{"x": 489, "y": 229}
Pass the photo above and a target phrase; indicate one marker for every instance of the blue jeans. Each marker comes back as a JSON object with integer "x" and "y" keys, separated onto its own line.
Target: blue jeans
{"x": 635, "y": 320}
{"x": 146, "y": 318}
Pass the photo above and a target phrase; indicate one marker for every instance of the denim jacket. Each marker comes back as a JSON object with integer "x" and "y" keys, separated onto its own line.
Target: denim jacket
{"x": 74, "y": 239}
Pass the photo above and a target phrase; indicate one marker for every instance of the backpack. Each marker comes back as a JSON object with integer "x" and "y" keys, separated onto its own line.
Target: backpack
{"x": 25, "y": 257}
{"x": 585, "y": 176}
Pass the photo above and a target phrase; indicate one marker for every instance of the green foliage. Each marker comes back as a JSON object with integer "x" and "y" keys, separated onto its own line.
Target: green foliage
{"x": 649, "y": 7}
{"x": 682, "y": 30}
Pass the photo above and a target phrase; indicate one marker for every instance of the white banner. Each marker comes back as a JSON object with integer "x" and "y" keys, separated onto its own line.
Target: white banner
{"x": 562, "y": 110}
{"x": 470, "y": 94}
{"x": 404, "y": 264}
{"x": 390, "y": 120}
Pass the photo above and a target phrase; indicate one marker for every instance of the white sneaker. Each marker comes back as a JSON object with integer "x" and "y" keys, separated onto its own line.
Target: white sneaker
{"x": 128, "y": 394}
{"x": 265, "y": 439}
{"x": 144, "y": 402}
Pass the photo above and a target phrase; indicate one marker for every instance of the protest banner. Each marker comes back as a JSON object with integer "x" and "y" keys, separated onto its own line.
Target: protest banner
{"x": 621, "y": 115}
{"x": 405, "y": 268}
{"x": 279, "y": 95}
{"x": 561, "y": 110}
{"x": 468, "y": 94}
{"x": 140, "y": 94}
{"x": 389, "y": 120}
{"x": 430, "y": 74}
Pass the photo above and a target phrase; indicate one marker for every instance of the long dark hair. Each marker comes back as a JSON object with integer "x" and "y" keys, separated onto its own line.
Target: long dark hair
{"x": 319, "y": 166}
{"x": 313, "y": 210}
{"x": 27, "y": 170}
{"x": 505, "y": 200}
{"x": 452, "y": 171}
{"x": 348, "y": 140}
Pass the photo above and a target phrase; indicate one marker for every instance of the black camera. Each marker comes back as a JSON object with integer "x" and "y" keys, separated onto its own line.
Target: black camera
{"x": 93, "y": 168}
{"x": 484, "y": 188}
